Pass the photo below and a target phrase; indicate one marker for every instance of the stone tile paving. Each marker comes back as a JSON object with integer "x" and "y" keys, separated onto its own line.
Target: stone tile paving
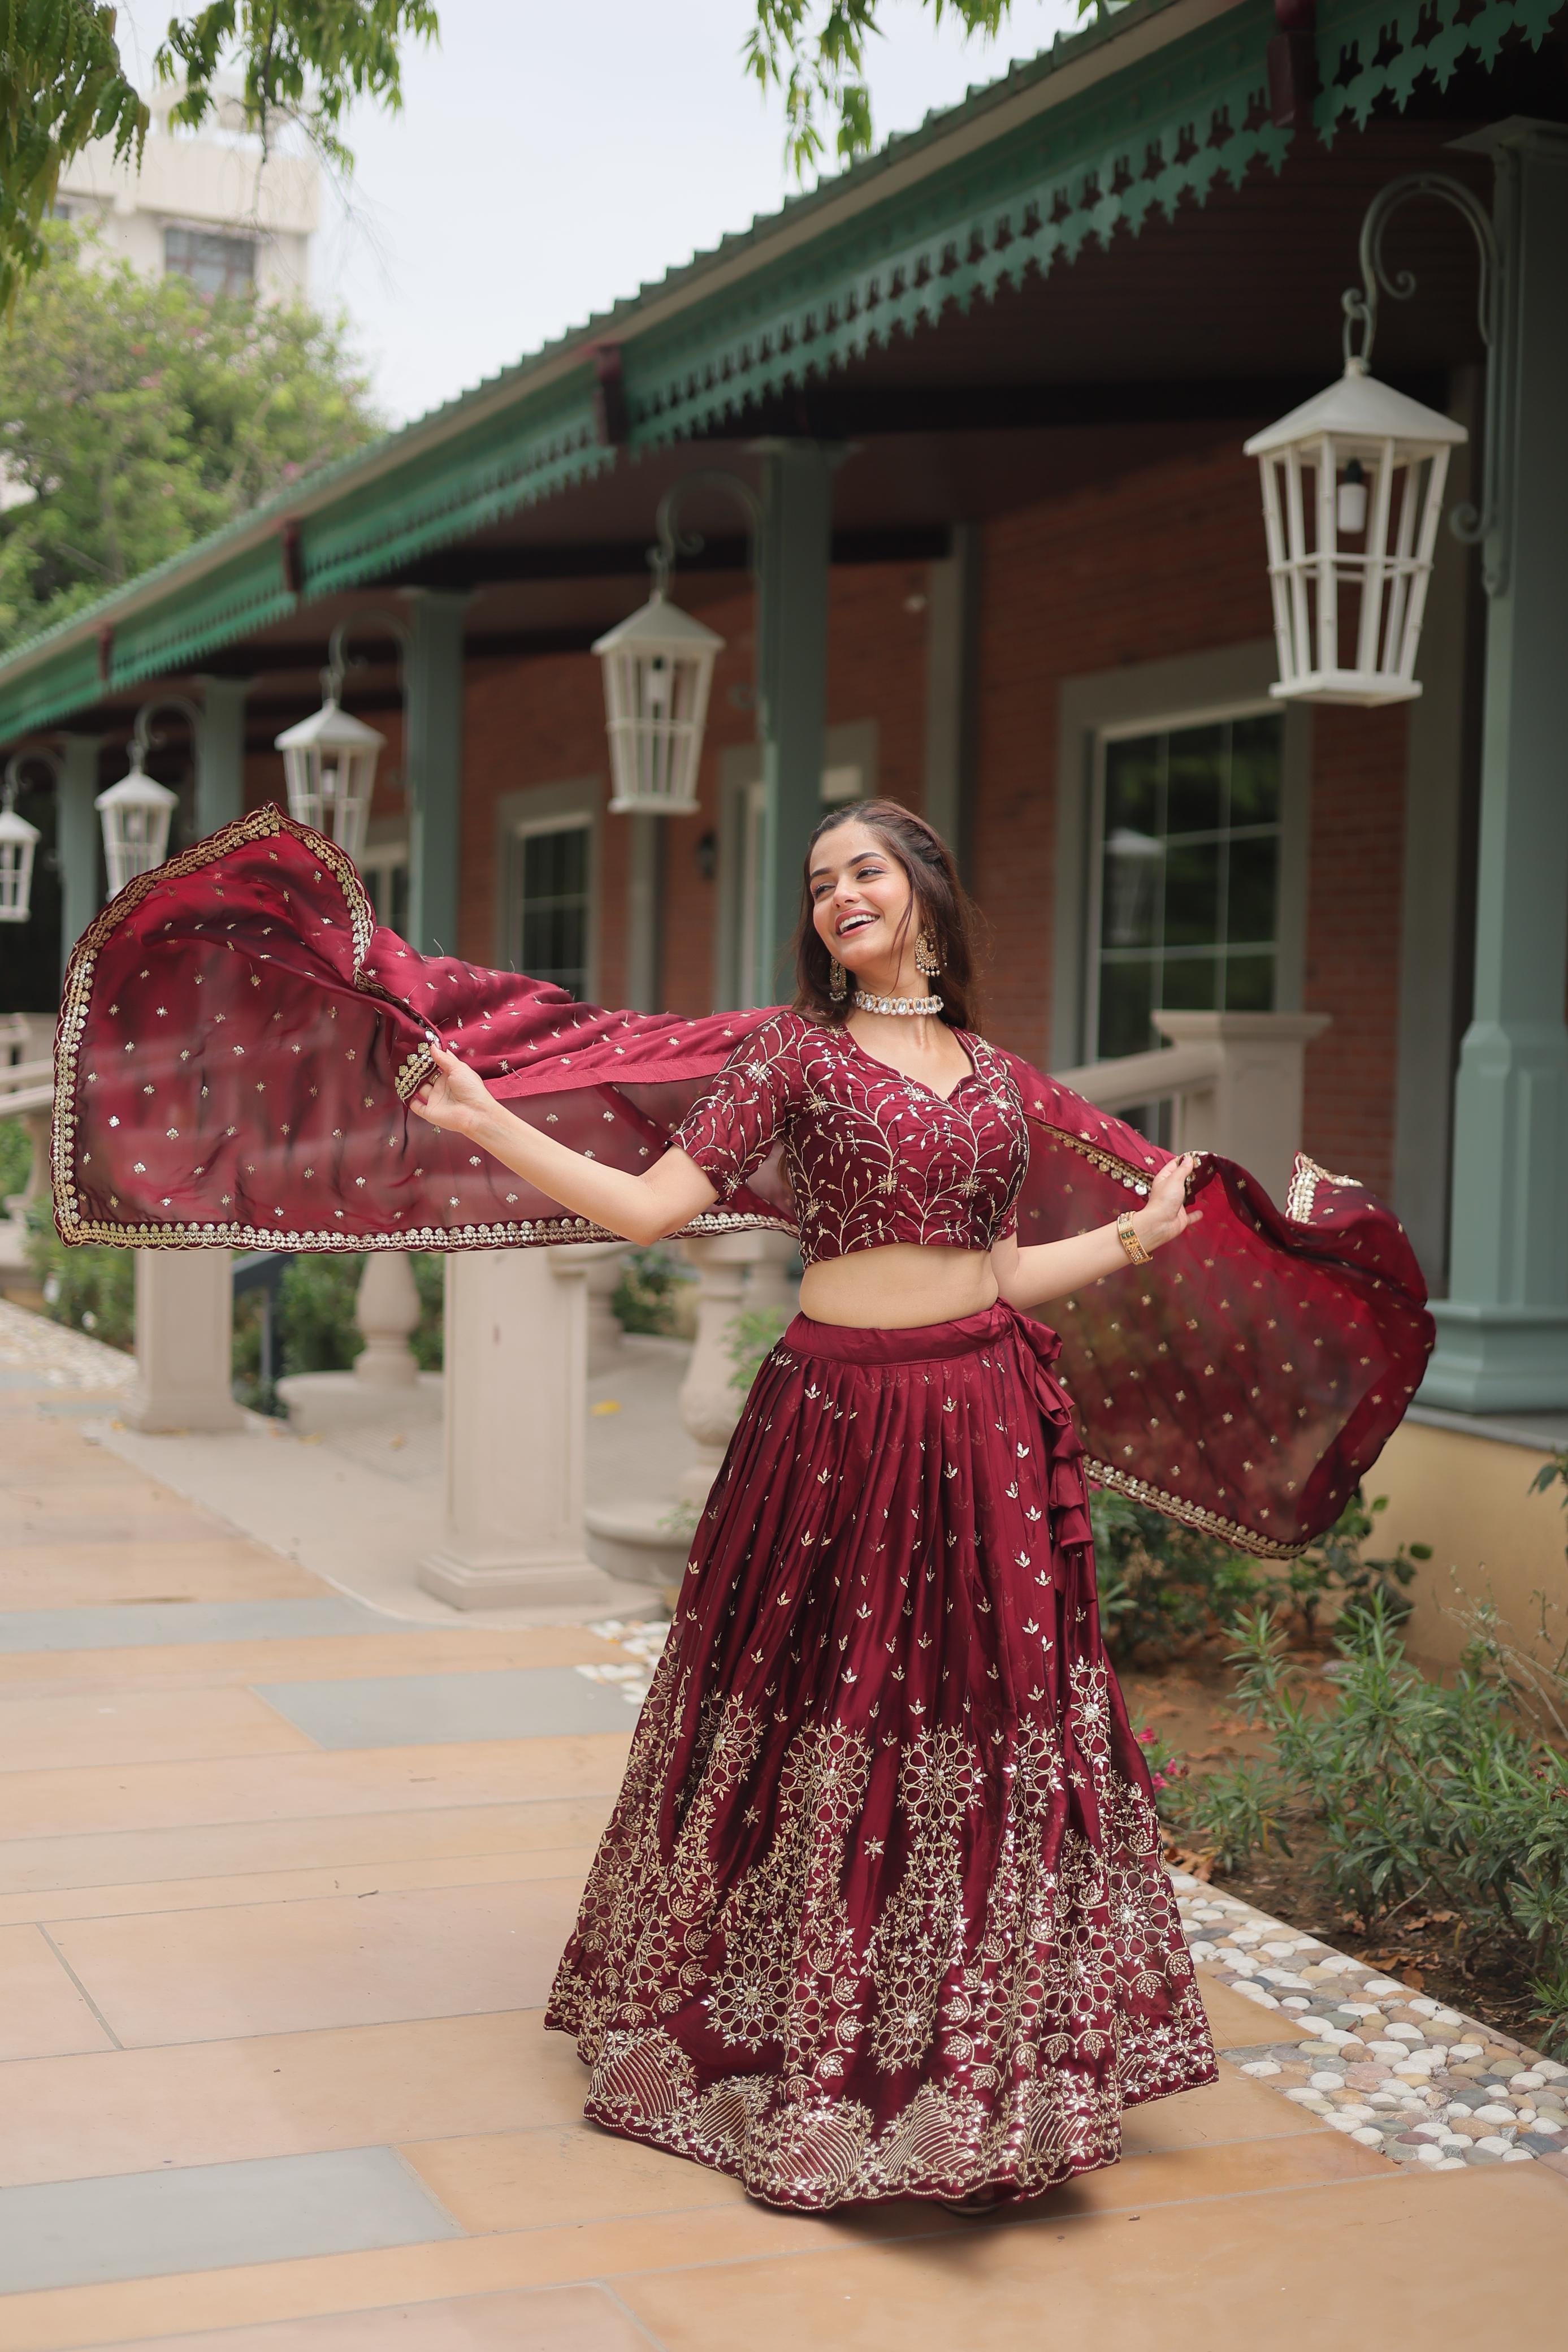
{"x": 53, "y": 1356}
{"x": 1399, "y": 2073}
{"x": 642, "y": 1640}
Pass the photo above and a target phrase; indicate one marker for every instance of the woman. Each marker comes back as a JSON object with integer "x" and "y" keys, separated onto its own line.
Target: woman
{"x": 881, "y": 1910}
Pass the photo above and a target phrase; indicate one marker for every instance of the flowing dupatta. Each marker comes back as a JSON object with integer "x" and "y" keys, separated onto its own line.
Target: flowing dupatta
{"x": 238, "y": 1043}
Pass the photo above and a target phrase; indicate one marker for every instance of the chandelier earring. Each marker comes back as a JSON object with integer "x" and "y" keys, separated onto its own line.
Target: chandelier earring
{"x": 838, "y": 980}
{"x": 926, "y": 960}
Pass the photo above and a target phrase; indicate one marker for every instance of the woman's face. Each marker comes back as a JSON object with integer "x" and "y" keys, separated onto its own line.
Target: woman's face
{"x": 862, "y": 904}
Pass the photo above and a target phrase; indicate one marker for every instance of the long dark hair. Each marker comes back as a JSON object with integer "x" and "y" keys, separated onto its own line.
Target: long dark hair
{"x": 940, "y": 904}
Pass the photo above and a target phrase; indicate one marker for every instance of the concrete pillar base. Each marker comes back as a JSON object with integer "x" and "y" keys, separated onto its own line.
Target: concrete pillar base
{"x": 552, "y": 1591}
{"x": 647, "y": 1544}
{"x": 1497, "y": 1358}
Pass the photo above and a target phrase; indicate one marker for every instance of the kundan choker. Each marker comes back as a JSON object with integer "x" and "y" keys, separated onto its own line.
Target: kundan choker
{"x": 911, "y": 1007}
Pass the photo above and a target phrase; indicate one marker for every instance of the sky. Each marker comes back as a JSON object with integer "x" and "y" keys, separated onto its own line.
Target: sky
{"x": 552, "y": 155}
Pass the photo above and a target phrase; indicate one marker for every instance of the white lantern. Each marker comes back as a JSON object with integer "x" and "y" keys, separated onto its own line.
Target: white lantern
{"x": 1352, "y": 490}
{"x": 18, "y": 840}
{"x": 136, "y": 813}
{"x": 330, "y": 769}
{"x": 658, "y": 669}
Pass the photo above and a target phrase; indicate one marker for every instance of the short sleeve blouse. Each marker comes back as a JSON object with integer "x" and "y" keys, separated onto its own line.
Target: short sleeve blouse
{"x": 873, "y": 1157}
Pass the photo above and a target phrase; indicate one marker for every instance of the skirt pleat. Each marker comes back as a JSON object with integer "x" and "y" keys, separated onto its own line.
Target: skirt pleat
{"x": 881, "y": 1911}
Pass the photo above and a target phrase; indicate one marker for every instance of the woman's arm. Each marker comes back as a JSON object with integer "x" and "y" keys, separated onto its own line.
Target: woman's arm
{"x": 1034, "y": 1277}
{"x": 644, "y": 1207}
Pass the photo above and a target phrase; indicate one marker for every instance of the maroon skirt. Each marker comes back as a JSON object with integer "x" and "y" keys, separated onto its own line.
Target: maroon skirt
{"x": 880, "y": 1911}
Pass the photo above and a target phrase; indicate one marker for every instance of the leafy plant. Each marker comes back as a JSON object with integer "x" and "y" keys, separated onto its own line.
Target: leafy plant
{"x": 90, "y": 1289}
{"x": 315, "y": 1326}
{"x": 751, "y": 1337}
{"x": 1162, "y": 1588}
{"x": 15, "y": 1157}
{"x": 1419, "y": 1790}
{"x": 652, "y": 1292}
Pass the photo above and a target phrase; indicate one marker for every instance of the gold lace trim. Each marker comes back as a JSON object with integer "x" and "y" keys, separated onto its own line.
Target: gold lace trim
{"x": 1191, "y": 1514}
{"x": 1302, "y": 1195}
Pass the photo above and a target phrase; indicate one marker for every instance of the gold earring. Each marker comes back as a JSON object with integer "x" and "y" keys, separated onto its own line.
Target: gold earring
{"x": 838, "y": 980}
{"x": 926, "y": 960}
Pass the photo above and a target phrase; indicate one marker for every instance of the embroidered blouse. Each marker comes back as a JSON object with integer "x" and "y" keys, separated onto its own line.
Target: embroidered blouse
{"x": 873, "y": 1157}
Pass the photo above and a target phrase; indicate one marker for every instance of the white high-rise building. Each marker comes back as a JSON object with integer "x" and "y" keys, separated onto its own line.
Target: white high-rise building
{"x": 204, "y": 204}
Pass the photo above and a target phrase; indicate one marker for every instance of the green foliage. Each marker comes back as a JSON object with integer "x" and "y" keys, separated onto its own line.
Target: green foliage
{"x": 649, "y": 1293}
{"x": 315, "y": 1326}
{"x": 60, "y": 85}
{"x": 140, "y": 416}
{"x": 90, "y": 1288}
{"x": 62, "y": 82}
{"x": 1162, "y": 1588}
{"x": 750, "y": 1340}
{"x": 15, "y": 1157}
{"x": 1420, "y": 1792}
{"x": 815, "y": 51}
{"x": 1334, "y": 1571}
{"x": 303, "y": 61}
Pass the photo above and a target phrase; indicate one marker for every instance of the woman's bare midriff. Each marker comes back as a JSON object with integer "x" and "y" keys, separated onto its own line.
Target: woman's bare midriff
{"x": 898, "y": 1288}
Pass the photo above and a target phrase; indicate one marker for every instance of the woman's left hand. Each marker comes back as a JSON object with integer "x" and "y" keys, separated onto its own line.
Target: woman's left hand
{"x": 1165, "y": 1215}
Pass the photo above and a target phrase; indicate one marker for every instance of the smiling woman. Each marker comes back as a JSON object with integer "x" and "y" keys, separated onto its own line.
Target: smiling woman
{"x": 881, "y": 1910}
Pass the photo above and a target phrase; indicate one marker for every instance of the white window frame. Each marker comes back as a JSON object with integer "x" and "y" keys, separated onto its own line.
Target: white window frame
{"x": 849, "y": 773}
{"x": 385, "y": 850}
{"x": 1149, "y": 698}
{"x": 1132, "y": 730}
{"x": 539, "y": 809}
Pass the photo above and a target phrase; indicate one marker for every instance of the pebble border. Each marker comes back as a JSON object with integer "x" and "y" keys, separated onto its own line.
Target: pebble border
{"x": 59, "y": 1356}
{"x": 1424, "y": 2084}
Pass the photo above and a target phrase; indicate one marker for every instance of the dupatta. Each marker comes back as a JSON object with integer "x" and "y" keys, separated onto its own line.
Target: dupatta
{"x": 238, "y": 1043}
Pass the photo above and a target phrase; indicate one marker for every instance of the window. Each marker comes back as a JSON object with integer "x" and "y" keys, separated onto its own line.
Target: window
{"x": 1187, "y": 903}
{"x": 384, "y": 870}
{"x": 213, "y": 264}
{"x": 549, "y": 899}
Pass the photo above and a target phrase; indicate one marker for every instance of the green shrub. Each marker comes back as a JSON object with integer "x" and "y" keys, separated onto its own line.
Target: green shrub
{"x": 15, "y": 1157}
{"x": 315, "y": 1326}
{"x": 650, "y": 1292}
{"x": 750, "y": 1338}
{"x": 89, "y": 1288}
{"x": 1416, "y": 1790}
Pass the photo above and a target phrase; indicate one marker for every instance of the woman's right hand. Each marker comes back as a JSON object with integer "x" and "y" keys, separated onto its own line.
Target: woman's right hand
{"x": 455, "y": 1098}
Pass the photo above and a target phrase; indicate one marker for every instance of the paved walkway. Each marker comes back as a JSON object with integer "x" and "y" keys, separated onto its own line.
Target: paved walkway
{"x": 282, "y": 1883}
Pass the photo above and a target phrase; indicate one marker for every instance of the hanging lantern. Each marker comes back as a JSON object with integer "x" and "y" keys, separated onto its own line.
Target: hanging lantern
{"x": 329, "y": 769}
{"x": 18, "y": 841}
{"x": 658, "y": 669}
{"x": 136, "y": 814}
{"x": 1352, "y": 490}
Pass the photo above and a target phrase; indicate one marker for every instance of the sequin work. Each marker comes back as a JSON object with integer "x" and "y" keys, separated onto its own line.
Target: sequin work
{"x": 871, "y": 1156}
{"x": 881, "y": 1911}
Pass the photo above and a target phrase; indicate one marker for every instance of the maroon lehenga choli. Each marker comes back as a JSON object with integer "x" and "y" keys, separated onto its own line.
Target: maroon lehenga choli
{"x": 880, "y": 1910}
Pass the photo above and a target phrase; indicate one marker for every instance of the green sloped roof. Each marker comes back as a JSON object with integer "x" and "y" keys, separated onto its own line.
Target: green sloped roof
{"x": 1154, "y": 104}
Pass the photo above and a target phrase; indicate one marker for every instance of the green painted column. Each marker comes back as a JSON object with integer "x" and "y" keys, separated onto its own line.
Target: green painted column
{"x": 433, "y": 764}
{"x": 1503, "y": 1329}
{"x": 79, "y": 840}
{"x": 794, "y": 567}
{"x": 220, "y": 765}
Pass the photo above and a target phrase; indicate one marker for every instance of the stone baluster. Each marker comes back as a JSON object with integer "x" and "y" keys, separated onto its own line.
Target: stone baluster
{"x": 602, "y": 1273}
{"x": 386, "y": 1308}
{"x": 710, "y": 1403}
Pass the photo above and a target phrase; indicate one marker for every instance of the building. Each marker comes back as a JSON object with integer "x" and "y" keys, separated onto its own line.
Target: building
{"x": 990, "y": 388}
{"x": 204, "y": 205}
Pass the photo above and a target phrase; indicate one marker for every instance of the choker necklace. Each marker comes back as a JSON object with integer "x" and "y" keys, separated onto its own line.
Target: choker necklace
{"x": 912, "y": 1006}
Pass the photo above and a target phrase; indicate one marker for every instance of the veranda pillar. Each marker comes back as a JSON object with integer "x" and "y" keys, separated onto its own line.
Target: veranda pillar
{"x": 220, "y": 767}
{"x": 77, "y": 838}
{"x": 1503, "y": 1331}
{"x": 795, "y": 567}
{"x": 184, "y": 1334}
{"x": 432, "y": 763}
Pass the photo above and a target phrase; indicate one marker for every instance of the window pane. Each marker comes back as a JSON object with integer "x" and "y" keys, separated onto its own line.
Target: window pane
{"x": 1255, "y": 751}
{"x": 1132, "y": 786}
{"x": 1250, "y": 916}
{"x": 1126, "y": 993}
{"x": 1249, "y": 983}
{"x": 1196, "y": 778}
{"x": 1191, "y": 985}
{"x": 213, "y": 264}
{"x": 1192, "y": 895}
{"x": 551, "y": 916}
